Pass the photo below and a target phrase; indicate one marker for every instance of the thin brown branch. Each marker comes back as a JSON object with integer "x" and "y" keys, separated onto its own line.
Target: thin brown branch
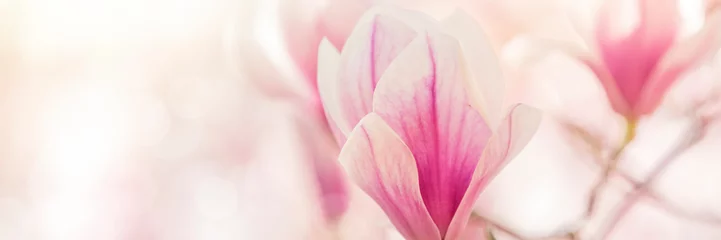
{"x": 660, "y": 200}
{"x": 497, "y": 226}
{"x": 609, "y": 168}
{"x": 506, "y": 230}
{"x": 631, "y": 198}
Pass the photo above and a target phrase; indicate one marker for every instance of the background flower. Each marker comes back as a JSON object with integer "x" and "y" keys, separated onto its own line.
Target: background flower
{"x": 571, "y": 159}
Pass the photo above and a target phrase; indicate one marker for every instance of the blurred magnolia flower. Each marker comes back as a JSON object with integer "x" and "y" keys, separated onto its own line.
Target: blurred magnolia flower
{"x": 400, "y": 96}
{"x": 255, "y": 46}
{"x": 636, "y": 83}
{"x": 591, "y": 174}
{"x": 666, "y": 40}
{"x": 505, "y": 20}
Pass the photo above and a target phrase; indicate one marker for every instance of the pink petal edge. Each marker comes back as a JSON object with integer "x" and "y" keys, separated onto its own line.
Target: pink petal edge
{"x": 383, "y": 166}
{"x": 486, "y": 85}
{"x": 680, "y": 58}
{"x": 368, "y": 52}
{"x": 512, "y": 136}
{"x": 328, "y": 64}
{"x": 631, "y": 59}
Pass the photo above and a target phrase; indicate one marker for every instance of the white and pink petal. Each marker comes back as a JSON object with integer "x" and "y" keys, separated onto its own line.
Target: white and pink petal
{"x": 380, "y": 163}
{"x": 513, "y": 134}
{"x": 373, "y": 45}
{"x": 485, "y": 85}
{"x": 682, "y": 57}
{"x": 422, "y": 98}
{"x": 645, "y": 28}
{"x": 328, "y": 65}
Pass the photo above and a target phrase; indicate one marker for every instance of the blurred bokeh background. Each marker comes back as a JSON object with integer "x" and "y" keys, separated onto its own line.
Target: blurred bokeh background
{"x": 134, "y": 120}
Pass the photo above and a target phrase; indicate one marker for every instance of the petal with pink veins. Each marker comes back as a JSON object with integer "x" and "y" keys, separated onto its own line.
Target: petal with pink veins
{"x": 422, "y": 97}
{"x": 371, "y": 48}
{"x": 383, "y": 166}
{"x": 513, "y": 134}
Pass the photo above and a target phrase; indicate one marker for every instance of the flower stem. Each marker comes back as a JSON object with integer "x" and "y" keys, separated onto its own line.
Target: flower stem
{"x": 610, "y": 166}
{"x": 478, "y": 218}
{"x": 695, "y": 134}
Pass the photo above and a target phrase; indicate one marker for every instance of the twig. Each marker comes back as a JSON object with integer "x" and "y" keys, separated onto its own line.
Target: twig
{"x": 660, "y": 200}
{"x": 509, "y": 232}
{"x": 478, "y": 218}
{"x": 631, "y": 198}
{"x": 609, "y": 168}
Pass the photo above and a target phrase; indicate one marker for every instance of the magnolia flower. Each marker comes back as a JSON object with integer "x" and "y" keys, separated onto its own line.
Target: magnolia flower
{"x": 666, "y": 38}
{"x": 419, "y": 107}
{"x": 581, "y": 177}
{"x": 290, "y": 74}
{"x": 281, "y": 59}
{"x": 298, "y": 30}
{"x": 636, "y": 83}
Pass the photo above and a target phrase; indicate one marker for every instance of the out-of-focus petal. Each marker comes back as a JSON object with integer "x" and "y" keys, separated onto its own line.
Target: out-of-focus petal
{"x": 632, "y": 37}
{"x": 339, "y": 17}
{"x": 381, "y": 164}
{"x": 696, "y": 89}
{"x": 504, "y": 20}
{"x": 553, "y": 77}
{"x": 583, "y": 16}
{"x": 692, "y": 16}
{"x": 364, "y": 220}
{"x": 298, "y": 32}
{"x": 657, "y": 20}
{"x": 685, "y": 54}
{"x": 255, "y": 44}
{"x": 422, "y": 97}
{"x": 485, "y": 86}
{"x": 475, "y": 230}
{"x": 328, "y": 65}
{"x": 712, "y": 5}
{"x": 513, "y": 134}
{"x": 544, "y": 189}
{"x": 322, "y": 152}
{"x": 371, "y": 48}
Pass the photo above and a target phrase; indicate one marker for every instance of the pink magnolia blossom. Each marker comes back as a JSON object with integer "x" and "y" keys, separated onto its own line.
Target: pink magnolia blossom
{"x": 413, "y": 101}
{"x": 660, "y": 183}
{"x": 665, "y": 38}
{"x": 301, "y": 25}
{"x": 642, "y": 49}
{"x": 298, "y": 27}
